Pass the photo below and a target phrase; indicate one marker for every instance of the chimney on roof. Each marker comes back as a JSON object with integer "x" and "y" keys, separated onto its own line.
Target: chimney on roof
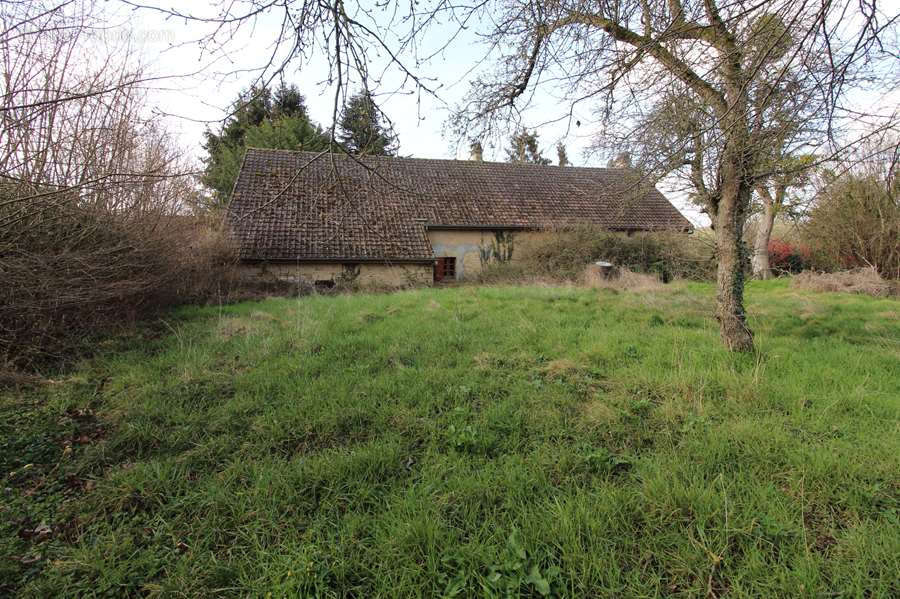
{"x": 476, "y": 151}
{"x": 622, "y": 160}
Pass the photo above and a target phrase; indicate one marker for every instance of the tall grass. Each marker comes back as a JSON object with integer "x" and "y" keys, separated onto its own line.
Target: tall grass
{"x": 488, "y": 441}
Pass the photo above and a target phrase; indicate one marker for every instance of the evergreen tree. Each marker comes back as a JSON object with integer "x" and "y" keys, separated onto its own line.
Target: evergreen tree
{"x": 260, "y": 119}
{"x": 361, "y": 129}
{"x": 524, "y": 148}
{"x": 288, "y": 102}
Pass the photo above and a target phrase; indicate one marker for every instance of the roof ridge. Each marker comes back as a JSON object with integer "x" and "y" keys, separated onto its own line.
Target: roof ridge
{"x": 450, "y": 160}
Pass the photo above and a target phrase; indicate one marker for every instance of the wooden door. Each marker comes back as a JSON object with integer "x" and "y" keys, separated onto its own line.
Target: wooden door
{"x": 445, "y": 269}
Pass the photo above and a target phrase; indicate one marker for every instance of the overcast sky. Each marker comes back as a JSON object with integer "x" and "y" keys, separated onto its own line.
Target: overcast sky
{"x": 203, "y": 85}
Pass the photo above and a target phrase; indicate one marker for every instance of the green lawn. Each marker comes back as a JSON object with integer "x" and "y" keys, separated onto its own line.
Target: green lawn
{"x": 467, "y": 442}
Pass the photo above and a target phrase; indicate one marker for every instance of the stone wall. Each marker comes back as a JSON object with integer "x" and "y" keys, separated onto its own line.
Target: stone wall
{"x": 464, "y": 245}
{"x": 371, "y": 275}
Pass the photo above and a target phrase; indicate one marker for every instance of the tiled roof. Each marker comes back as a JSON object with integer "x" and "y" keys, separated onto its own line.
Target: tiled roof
{"x": 307, "y": 206}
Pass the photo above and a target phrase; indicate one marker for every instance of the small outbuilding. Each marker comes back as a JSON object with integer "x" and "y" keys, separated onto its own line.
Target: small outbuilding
{"x": 389, "y": 221}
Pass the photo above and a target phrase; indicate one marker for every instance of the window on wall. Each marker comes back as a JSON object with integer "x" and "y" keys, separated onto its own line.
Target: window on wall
{"x": 444, "y": 269}
{"x": 450, "y": 268}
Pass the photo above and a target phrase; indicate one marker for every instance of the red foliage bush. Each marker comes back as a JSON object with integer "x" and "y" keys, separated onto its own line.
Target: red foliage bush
{"x": 788, "y": 257}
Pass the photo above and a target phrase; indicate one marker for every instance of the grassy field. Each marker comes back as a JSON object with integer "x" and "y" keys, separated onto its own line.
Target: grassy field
{"x": 467, "y": 441}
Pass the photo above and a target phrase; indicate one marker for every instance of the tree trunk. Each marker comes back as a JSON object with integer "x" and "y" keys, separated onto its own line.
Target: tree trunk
{"x": 761, "y": 269}
{"x": 731, "y": 254}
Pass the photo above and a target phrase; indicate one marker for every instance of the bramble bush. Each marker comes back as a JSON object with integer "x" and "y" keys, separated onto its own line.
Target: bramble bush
{"x": 61, "y": 291}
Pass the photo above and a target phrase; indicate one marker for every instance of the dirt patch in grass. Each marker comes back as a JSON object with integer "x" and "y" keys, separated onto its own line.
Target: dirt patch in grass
{"x": 859, "y": 280}
{"x": 624, "y": 280}
{"x": 259, "y": 315}
{"x": 369, "y": 317}
{"x": 597, "y": 411}
{"x": 18, "y": 380}
{"x": 560, "y": 368}
{"x": 488, "y": 362}
{"x": 233, "y": 327}
{"x": 242, "y": 326}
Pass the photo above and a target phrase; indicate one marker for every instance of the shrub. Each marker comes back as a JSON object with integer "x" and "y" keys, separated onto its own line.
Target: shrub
{"x": 204, "y": 262}
{"x": 855, "y": 222}
{"x": 565, "y": 253}
{"x": 503, "y": 272}
{"x": 62, "y": 289}
{"x": 787, "y": 257}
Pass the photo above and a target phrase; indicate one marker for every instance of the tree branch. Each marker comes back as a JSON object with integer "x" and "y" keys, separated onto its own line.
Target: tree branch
{"x": 649, "y": 45}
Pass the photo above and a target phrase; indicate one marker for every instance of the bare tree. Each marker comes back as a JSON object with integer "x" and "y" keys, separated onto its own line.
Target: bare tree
{"x": 72, "y": 130}
{"x": 677, "y": 140}
{"x": 773, "y": 193}
{"x": 90, "y": 187}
